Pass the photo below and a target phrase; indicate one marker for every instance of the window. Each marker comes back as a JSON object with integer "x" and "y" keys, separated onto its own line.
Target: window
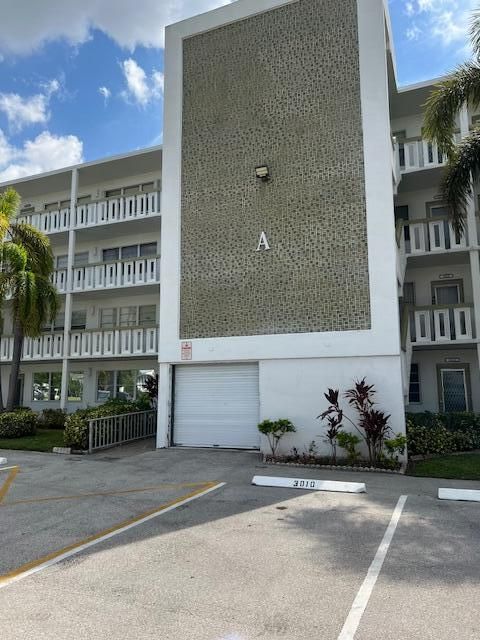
{"x": 130, "y": 191}
{"x": 46, "y": 386}
{"x": 62, "y": 262}
{"x": 147, "y": 315}
{"x": 51, "y": 206}
{"x": 83, "y": 199}
{"x": 59, "y": 323}
{"x": 112, "y": 193}
{"x": 79, "y": 319}
{"x": 75, "y": 386}
{"x": 109, "y": 255}
{"x": 148, "y": 186}
{"x": 129, "y": 252}
{"x": 108, "y": 318}
{"x": 148, "y": 249}
{"x": 105, "y": 385}
{"x": 128, "y": 316}
{"x": 81, "y": 259}
{"x": 414, "y": 390}
{"x": 126, "y": 384}
{"x": 409, "y": 292}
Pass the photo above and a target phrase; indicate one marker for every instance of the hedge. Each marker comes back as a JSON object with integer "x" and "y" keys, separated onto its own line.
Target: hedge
{"x": 76, "y": 424}
{"x": 440, "y": 433}
{"x": 22, "y": 422}
{"x": 52, "y": 419}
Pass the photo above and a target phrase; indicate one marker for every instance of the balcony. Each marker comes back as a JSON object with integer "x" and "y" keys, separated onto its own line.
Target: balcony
{"x": 90, "y": 343}
{"x": 429, "y": 235}
{"x": 442, "y": 325}
{"x": 415, "y": 154}
{"x": 116, "y": 209}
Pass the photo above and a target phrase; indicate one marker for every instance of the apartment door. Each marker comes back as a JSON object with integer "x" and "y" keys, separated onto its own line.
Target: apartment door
{"x": 453, "y": 387}
{"x": 446, "y": 294}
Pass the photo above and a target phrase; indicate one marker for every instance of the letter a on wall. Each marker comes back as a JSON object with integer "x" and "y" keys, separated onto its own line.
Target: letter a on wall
{"x": 263, "y": 242}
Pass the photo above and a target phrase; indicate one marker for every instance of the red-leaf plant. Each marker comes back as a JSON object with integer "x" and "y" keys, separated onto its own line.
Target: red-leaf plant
{"x": 373, "y": 424}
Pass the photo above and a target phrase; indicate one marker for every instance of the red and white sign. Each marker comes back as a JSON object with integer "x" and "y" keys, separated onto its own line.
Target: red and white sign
{"x": 186, "y": 350}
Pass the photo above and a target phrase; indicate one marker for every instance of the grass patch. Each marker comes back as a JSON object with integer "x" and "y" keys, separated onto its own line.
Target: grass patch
{"x": 43, "y": 440}
{"x": 465, "y": 466}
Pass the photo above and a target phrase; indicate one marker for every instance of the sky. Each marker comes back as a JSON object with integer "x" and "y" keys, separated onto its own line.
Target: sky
{"x": 81, "y": 80}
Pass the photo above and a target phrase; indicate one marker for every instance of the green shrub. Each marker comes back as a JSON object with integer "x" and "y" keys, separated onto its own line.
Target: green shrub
{"x": 275, "y": 430}
{"x": 76, "y": 424}
{"x": 439, "y": 433}
{"x": 349, "y": 442}
{"x": 18, "y": 423}
{"x": 52, "y": 419}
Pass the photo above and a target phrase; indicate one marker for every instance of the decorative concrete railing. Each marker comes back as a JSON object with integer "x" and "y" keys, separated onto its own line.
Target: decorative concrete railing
{"x": 46, "y": 346}
{"x": 121, "y": 273}
{"x": 107, "y": 432}
{"x": 91, "y": 214}
{"x": 429, "y": 235}
{"x": 416, "y": 153}
{"x": 92, "y": 343}
{"x": 128, "y": 341}
{"x": 442, "y": 324}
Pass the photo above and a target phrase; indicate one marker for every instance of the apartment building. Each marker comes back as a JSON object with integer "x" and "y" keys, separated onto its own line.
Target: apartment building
{"x": 103, "y": 222}
{"x": 303, "y": 242}
{"x": 438, "y": 271}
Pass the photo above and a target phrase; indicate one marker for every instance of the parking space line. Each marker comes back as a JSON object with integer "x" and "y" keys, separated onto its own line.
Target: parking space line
{"x": 50, "y": 559}
{"x": 95, "y": 494}
{"x": 8, "y": 482}
{"x": 363, "y": 596}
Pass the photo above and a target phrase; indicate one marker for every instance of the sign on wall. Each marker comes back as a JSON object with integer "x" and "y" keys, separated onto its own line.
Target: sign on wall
{"x": 186, "y": 351}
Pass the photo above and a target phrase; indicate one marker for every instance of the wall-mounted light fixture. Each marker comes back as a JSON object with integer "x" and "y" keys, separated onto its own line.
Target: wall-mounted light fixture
{"x": 262, "y": 173}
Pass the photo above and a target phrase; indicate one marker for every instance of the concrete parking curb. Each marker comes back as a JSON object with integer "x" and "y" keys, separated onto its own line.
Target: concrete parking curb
{"x": 470, "y": 495}
{"x": 309, "y": 484}
{"x": 3, "y": 461}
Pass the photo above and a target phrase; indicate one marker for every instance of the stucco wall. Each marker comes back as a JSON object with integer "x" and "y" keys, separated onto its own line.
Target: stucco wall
{"x": 280, "y": 88}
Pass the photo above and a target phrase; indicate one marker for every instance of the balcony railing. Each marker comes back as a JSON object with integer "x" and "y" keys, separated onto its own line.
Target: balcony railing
{"x": 416, "y": 153}
{"x": 429, "y": 235}
{"x": 442, "y": 324}
{"x": 115, "y": 209}
{"x": 121, "y": 273}
{"x": 128, "y": 341}
{"x": 92, "y": 343}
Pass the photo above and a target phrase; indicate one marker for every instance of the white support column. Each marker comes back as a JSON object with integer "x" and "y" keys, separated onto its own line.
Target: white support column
{"x": 69, "y": 294}
{"x": 164, "y": 405}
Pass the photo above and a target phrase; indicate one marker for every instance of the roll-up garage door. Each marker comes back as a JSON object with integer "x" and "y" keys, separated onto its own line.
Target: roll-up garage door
{"x": 216, "y": 406}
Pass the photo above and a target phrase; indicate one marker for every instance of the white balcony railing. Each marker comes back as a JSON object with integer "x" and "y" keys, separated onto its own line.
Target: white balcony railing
{"x": 128, "y": 341}
{"x": 121, "y": 273}
{"x": 116, "y": 209}
{"x": 442, "y": 324}
{"x": 429, "y": 235}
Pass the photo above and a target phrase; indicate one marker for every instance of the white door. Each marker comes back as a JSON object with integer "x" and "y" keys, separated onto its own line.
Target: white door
{"x": 216, "y": 405}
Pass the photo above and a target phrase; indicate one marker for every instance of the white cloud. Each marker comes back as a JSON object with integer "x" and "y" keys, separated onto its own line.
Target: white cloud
{"x": 446, "y": 21}
{"x": 44, "y": 153}
{"x": 413, "y": 33}
{"x": 141, "y": 88}
{"x": 105, "y": 93}
{"x": 21, "y": 111}
{"x": 128, "y": 23}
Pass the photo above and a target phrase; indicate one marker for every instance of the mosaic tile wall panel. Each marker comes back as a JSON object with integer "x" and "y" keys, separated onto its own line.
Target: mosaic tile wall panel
{"x": 281, "y": 89}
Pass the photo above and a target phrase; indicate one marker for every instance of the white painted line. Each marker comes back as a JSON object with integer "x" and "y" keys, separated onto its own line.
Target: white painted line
{"x": 471, "y": 495}
{"x": 3, "y": 461}
{"x": 363, "y": 596}
{"x": 102, "y": 538}
{"x": 312, "y": 485}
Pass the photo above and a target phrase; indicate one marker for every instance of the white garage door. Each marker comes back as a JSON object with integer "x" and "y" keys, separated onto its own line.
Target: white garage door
{"x": 216, "y": 406}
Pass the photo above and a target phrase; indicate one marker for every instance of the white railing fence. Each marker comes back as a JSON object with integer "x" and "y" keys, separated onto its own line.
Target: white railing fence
{"x": 116, "y": 209}
{"x": 431, "y": 235}
{"x": 121, "y": 273}
{"x": 111, "y": 431}
{"x": 443, "y": 324}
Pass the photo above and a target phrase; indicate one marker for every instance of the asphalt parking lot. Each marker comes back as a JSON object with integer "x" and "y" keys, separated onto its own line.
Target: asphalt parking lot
{"x": 191, "y": 557}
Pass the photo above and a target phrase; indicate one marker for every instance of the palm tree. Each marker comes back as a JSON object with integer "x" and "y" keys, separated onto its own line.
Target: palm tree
{"x": 461, "y": 87}
{"x": 27, "y": 265}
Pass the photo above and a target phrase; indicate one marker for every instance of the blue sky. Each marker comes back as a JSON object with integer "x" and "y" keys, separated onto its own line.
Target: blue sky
{"x": 80, "y": 81}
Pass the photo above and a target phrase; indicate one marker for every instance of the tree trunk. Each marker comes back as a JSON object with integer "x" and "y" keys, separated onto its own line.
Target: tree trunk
{"x": 15, "y": 369}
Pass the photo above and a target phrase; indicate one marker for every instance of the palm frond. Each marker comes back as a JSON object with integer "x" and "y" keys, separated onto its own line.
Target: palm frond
{"x": 474, "y": 33}
{"x": 456, "y": 186}
{"x": 446, "y": 100}
{"x": 9, "y": 204}
{"x": 37, "y": 246}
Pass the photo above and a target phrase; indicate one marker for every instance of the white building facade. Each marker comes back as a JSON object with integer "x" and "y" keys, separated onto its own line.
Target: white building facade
{"x": 261, "y": 256}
